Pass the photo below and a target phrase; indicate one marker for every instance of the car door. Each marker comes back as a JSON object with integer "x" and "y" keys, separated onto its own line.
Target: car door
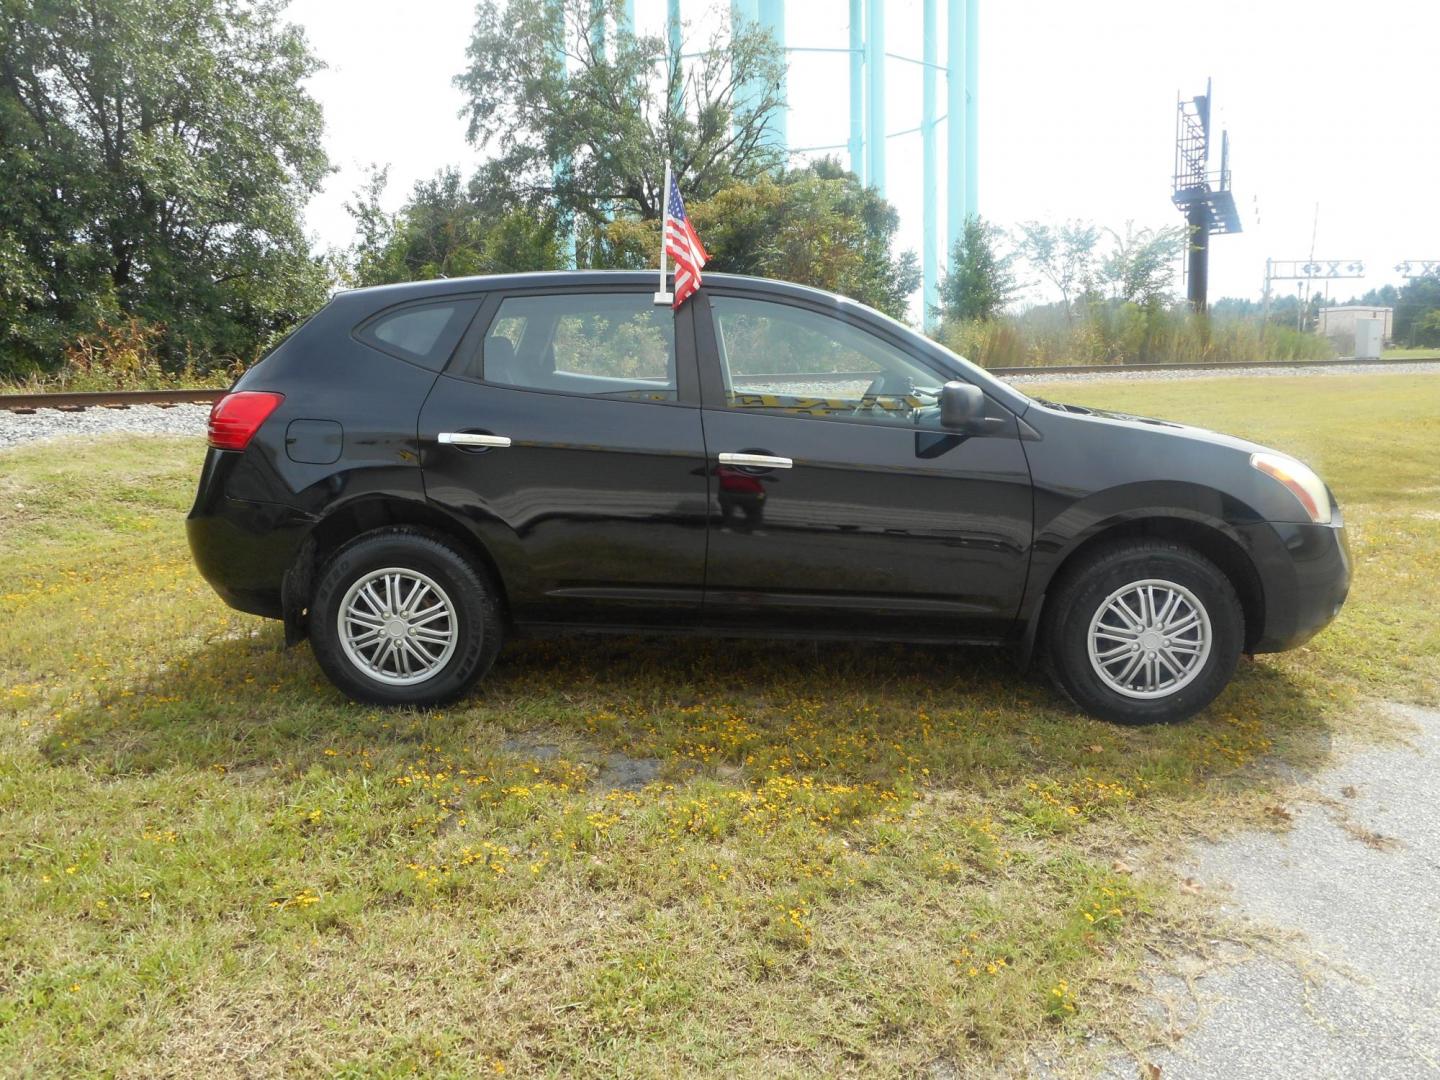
{"x": 566, "y": 431}
{"x": 839, "y": 504}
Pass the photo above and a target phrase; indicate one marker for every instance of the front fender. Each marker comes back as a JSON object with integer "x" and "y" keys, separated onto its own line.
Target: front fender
{"x": 1070, "y": 525}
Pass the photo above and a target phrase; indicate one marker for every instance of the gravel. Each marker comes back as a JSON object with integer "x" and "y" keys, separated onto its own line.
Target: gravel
{"x": 46, "y": 424}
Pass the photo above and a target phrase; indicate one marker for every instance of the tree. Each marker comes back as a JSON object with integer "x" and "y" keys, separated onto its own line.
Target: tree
{"x": 818, "y": 226}
{"x": 1416, "y": 300}
{"x": 1426, "y": 330}
{"x": 1385, "y": 296}
{"x": 587, "y": 126}
{"x": 154, "y": 161}
{"x": 443, "y": 230}
{"x": 1140, "y": 265}
{"x": 1064, "y": 255}
{"x": 980, "y": 281}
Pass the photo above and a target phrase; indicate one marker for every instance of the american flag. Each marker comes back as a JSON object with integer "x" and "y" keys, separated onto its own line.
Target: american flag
{"x": 683, "y": 245}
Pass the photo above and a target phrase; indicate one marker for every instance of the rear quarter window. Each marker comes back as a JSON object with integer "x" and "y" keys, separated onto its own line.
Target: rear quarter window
{"x": 422, "y": 333}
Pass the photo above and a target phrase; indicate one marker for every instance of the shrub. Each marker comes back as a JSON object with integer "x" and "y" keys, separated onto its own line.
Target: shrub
{"x": 126, "y": 354}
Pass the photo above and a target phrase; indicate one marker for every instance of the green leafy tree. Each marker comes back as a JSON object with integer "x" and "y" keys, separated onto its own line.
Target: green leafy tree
{"x": 1139, "y": 268}
{"x": 1065, "y": 255}
{"x": 445, "y": 230}
{"x": 981, "y": 280}
{"x": 1427, "y": 329}
{"x": 818, "y": 226}
{"x": 1414, "y": 304}
{"x": 588, "y": 126}
{"x": 154, "y": 161}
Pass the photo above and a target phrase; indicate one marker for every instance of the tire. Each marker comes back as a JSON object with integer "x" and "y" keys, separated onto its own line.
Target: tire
{"x": 1091, "y": 645}
{"x": 416, "y": 656}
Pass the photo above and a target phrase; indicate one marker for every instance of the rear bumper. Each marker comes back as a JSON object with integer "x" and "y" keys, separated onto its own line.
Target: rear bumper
{"x": 1305, "y": 575}
{"x": 243, "y": 548}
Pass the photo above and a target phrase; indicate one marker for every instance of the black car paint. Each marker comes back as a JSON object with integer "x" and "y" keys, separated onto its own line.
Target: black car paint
{"x": 616, "y": 515}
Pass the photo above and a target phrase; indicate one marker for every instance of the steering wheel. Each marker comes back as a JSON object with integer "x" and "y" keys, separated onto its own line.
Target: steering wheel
{"x": 872, "y": 394}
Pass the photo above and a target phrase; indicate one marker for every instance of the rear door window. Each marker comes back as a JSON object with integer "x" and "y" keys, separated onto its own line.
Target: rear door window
{"x": 615, "y": 345}
{"x": 424, "y": 334}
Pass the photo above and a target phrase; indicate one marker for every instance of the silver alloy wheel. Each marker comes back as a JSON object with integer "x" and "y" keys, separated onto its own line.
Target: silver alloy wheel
{"x": 398, "y": 626}
{"x": 1149, "y": 638}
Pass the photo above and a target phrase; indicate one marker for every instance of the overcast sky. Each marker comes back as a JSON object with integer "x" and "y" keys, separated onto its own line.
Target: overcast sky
{"x": 1326, "y": 102}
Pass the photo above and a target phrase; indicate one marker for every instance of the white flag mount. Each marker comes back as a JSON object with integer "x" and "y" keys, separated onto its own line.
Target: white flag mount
{"x": 663, "y": 295}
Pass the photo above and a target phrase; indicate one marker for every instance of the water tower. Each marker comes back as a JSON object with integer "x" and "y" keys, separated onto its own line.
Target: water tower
{"x": 943, "y": 118}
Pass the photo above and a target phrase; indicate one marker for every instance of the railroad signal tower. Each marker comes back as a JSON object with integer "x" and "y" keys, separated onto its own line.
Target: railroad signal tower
{"x": 1202, "y": 195}
{"x": 1415, "y": 269}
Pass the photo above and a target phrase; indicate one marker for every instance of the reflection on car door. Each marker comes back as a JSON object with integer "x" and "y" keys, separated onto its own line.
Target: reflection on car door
{"x": 566, "y": 432}
{"x": 838, "y": 504}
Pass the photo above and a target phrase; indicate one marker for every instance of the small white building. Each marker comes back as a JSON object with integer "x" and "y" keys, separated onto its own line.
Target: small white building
{"x": 1338, "y": 323}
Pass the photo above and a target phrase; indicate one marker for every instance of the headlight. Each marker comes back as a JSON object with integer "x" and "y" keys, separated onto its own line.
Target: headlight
{"x": 1301, "y": 481}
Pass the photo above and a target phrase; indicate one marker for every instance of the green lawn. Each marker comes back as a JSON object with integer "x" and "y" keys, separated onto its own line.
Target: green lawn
{"x": 1411, "y": 354}
{"x": 619, "y": 857}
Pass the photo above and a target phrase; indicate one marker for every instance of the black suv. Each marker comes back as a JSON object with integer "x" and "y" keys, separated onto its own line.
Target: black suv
{"x": 422, "y": 469}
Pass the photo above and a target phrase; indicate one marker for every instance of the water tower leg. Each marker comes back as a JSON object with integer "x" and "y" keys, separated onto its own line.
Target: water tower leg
{"x": 955, "y": 201}
{"x": 672, "y": 30}
{"x": 772, "y": 18}
{"x": 875, "y": 95}
{"x": 930, "y": 191}
{"x": 972, "y": 107}
{"x": 857, "y": 89}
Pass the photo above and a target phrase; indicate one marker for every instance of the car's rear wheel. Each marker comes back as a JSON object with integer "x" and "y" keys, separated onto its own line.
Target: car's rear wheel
{"x": 402, "y": 617}
{"x": 1144, "y": 632}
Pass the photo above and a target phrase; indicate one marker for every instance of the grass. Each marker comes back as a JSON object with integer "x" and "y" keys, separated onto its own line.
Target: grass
{"x": 59, "y": 382}
{"x": 1410, "y": 354}
{"x": 622, "y": 857}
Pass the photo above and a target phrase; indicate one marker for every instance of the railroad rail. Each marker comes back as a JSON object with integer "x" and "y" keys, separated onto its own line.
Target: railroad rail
{"x": 105, "y": 399}
{"x": 124, "y": 399}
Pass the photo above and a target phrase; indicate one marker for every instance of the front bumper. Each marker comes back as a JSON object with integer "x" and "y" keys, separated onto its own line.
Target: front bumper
{"x": 1304, "y": 573}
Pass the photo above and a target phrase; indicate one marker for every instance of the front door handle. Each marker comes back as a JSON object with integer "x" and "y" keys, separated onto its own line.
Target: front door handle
{"x": 757, "y": 461}
{"x": 469, "y": 438}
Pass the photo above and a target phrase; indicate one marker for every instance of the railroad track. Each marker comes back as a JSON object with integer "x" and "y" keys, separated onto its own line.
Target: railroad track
{"x": 105, "y": 399}
{"x": 124, "y": 399}
{"x": 1111, "y": 369}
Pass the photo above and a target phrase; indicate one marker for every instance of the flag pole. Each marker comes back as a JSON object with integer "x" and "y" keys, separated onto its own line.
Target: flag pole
{"x": 663, "y": 295}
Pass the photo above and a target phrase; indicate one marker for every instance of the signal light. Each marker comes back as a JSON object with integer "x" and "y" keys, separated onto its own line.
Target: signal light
{"x": 236, "y": 417}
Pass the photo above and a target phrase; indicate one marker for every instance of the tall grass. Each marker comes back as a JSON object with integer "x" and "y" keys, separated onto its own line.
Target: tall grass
{"x": 124, "y": 355}
{"x": 1126, "y": 334}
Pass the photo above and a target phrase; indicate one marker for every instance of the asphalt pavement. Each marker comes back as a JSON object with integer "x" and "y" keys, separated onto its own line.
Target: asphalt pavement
{"x": 1353, "y": 887}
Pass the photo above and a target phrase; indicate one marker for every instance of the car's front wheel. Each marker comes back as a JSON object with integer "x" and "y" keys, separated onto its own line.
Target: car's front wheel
{"x": 1144, "y": 632}
{"x": 401, "y": 617}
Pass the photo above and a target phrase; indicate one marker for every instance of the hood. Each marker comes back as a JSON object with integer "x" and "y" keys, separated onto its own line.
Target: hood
{"x": 1156, "y": 426}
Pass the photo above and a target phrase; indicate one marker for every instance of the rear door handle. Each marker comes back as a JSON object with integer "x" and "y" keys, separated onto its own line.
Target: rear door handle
{"x": 468, "y": 438}
{"x": 757, "y": 461}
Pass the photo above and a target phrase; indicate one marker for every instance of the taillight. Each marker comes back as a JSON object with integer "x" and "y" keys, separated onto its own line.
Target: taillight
{"x": 236, "y": 417}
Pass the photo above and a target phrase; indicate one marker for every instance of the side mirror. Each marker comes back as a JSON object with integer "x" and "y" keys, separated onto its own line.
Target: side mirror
{"x": 962, "y": 406}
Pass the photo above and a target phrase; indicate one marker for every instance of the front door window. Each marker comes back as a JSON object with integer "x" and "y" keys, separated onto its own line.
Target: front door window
{"x": 777, "y": 358}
